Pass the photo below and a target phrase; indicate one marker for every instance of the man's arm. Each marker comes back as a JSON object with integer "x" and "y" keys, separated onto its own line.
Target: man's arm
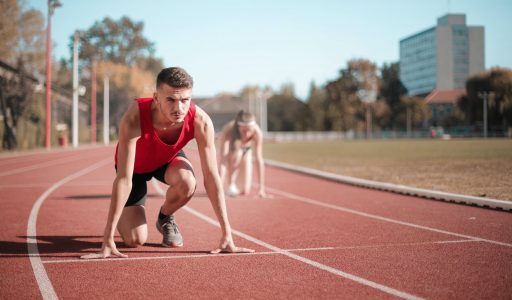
{"x": 260, "y": 165}
{"x": 129, "y": 132}
{"x": 223, "y": 152}
{"x": 205, "y": 137}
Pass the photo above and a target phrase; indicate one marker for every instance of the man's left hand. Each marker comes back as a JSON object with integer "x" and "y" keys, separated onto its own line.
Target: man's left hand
{"x": 229, "y": 247}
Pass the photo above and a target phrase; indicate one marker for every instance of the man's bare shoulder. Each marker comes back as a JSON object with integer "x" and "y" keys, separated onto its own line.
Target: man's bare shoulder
{"x": 132, "y": 113}
{"x": 202, "y": 119}
{"x": 131, "y": 120}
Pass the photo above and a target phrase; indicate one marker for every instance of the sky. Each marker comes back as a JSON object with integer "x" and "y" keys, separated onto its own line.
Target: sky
{"x": 228, "y": 44}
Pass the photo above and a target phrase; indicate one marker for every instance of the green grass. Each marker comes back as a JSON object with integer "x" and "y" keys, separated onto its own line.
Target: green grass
{"x": 466, "y": 166}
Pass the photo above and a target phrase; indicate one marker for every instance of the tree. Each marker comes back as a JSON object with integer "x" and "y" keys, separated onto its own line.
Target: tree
{"x": 317, "y": 107}
{"x": 286, "y": 112}
{"x": 120, "y": 42}
{"x": 357, "y": 82}
{"x": 499, "y": 112}
{"x": 14, "y": 92}
{"x": 32, "y": 41}
{"x": 391, "y": 90}
{"x": 123, "y": 53}
{"x": 22, "y": 46}
{"x": 413, "y": 110}
{"x": 381, "y": 114}
{"x": 9, "y": 13}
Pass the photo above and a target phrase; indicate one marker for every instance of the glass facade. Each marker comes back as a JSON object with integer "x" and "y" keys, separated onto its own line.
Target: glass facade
{"x": 440, "y": 57}
{"x": 460, "y": 46}
{"x": 418, "y": 62}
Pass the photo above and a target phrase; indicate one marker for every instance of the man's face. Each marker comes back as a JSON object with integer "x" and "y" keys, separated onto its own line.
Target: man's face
{"x": 172, "y": 102}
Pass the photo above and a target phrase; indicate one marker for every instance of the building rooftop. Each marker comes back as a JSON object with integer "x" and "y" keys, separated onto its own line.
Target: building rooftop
{"x": 444, "y": 96}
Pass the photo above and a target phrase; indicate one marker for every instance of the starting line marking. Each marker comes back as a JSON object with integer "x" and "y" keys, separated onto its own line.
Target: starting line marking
{"x": 170, "y": 256}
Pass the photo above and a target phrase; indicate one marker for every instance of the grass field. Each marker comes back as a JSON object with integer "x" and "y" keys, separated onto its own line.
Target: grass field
{"x": 474, "y": 167}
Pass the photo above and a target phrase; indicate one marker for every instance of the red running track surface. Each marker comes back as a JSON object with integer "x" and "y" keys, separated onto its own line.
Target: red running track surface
{"x": 313, "y": 239}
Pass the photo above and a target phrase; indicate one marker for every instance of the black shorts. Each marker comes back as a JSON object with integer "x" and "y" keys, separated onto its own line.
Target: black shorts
{"x": 139, "y": 183}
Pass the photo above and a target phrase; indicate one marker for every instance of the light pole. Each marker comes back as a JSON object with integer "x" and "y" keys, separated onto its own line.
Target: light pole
{"x": 106, "y": 121}
{"x": 485, "y": 96}
{"x": 93, "y": 102}
{"x": 74, "y": 123}
{"x": 264, "y": 96}
{"x": 368, "y": 96}
{"x": 52, "y": 5}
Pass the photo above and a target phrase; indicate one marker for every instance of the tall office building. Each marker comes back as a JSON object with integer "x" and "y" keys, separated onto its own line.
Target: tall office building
{"x": 442, "y": 57}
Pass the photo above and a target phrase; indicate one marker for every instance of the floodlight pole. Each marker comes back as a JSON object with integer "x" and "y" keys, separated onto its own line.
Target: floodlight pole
{"x": 106, "y": 118}
{"x": 485, "y": 96}
{"x": 75, "y": 91}
{"x": 368, "y": 121}
{"x": 93, "y": 102}
{"x": 52, "y": 5}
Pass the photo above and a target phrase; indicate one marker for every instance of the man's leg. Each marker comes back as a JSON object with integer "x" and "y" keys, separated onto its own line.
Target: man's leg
{"x": 132, "y": 226}
{"x": 235, "y": 159}
{"x": 182, "y": 185}
{"x": 246, "y": 173}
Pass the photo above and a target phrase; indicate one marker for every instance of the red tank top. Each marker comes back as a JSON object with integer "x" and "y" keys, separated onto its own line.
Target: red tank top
{"x": 152, "y": 152}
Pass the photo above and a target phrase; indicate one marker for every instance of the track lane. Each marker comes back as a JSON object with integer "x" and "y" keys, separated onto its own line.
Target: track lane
{"x": 359, "y": 245}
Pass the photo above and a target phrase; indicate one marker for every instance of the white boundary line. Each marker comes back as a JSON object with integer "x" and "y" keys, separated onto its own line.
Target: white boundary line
{"x": 380, "y": 218}
{"x": 310, "y": 262}
{"x": 401, "y": 189}
{"x": 44, "y": 283}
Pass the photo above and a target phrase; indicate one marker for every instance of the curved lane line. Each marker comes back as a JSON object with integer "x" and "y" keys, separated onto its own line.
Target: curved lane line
{"x": 44, "y": 283}
{"x": 310, "y": 262}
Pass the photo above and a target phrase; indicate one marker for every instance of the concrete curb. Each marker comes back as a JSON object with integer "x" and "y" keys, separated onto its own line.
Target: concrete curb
{"x": 400, "y": 189}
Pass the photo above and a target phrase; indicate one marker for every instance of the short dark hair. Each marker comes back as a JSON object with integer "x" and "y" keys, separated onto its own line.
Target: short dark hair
{"x": 175, "y": 77}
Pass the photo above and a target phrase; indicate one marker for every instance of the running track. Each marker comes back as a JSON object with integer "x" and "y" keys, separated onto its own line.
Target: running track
{"x": 315, "y": 239}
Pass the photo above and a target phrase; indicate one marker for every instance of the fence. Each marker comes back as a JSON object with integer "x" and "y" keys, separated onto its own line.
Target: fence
{"x": 458, "y": 132}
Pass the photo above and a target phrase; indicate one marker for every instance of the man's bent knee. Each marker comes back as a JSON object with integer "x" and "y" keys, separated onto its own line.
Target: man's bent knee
{"x": 187, "y": 187}
{"x": 134, "y": 242}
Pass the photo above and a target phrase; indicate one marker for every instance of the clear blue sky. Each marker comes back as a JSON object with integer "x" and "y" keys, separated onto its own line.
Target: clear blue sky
{"x": 227, "y": 44}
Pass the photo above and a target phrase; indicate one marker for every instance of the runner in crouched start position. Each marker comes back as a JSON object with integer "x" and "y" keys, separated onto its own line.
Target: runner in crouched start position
{"x": 152, "y": 135}
{"x": 237, "y": 139}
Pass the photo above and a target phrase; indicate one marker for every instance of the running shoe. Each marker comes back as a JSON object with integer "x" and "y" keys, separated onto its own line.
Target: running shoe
{"x": 233, "y": 190}
{"x": 170, "y": 231}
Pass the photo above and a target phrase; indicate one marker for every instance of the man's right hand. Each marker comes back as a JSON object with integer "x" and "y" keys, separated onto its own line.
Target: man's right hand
{"x": 108, "y": 249}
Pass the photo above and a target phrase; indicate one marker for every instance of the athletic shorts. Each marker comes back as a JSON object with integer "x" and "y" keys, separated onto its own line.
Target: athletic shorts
{"x": 139, "y": 183}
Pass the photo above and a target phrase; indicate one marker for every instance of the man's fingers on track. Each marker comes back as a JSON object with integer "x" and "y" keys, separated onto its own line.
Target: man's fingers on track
{"x": 235, "y": 250}
{"x": 218, "y": 250}
{"x": 92, "y": 256}
{"x": 119, "y": 254}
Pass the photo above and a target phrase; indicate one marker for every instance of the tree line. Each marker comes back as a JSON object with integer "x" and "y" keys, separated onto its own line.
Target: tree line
{"x": 338, "y": 105}
{"x": 118, "y": 49}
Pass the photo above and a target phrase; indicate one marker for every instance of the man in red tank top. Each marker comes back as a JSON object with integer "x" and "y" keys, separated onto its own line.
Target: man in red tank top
{"x": 152, "y": 134}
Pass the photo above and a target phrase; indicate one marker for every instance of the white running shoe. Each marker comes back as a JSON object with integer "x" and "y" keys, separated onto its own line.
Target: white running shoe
{"x": 233, "y": 190}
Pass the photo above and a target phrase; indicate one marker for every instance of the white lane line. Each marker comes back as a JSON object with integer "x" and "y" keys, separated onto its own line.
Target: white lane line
{"x": 174, "y": 256}
{"x": 151, "y": 257}
{"x": 45, "y": 184}
{"x": 41, "y": 165}
{"x": 310, "y": 262}
{"x": 380, "y": 218}
{"x": 44, "y": 283}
